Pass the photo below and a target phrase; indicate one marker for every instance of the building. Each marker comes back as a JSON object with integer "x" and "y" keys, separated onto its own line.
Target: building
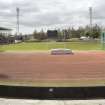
{"x": 5, "y": 36}
{"x": 5, "y": 31}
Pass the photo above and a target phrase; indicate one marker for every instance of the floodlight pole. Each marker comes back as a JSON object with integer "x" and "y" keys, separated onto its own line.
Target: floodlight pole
{"x": 17, "y": 26}
{"x": 91, "y": 21}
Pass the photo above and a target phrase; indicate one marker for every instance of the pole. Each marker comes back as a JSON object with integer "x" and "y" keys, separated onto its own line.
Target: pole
{"x": 103, "y": 40}
{"x": 64, "y": 33}
{"x": 17, "y": 28}
{"x": 91, "y": 21}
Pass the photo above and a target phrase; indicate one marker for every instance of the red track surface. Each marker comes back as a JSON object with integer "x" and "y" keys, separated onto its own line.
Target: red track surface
{"x": 46, "y": 67}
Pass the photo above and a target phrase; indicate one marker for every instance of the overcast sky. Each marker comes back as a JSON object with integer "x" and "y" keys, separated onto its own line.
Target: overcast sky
{"x": 47, "y": 14}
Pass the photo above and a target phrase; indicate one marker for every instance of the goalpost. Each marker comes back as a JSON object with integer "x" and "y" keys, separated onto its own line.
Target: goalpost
{"x": 103, "y": 40}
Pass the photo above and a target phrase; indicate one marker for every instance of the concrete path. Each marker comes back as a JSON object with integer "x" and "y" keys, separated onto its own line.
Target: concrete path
{"x": 50, "y": 102}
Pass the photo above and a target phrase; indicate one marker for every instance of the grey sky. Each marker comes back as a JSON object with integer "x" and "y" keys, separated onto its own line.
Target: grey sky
{"x": 37, "y": 14}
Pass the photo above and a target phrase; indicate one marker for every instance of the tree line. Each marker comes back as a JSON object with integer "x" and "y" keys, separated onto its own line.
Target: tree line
{"x": 61, "y": 34}
{"x": 69, "y": 33}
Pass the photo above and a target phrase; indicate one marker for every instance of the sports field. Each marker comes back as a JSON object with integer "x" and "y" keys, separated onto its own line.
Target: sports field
{"x": 85, "y": 68}
{"x": 31, "y": 64}
{"x": 44, "y": 46}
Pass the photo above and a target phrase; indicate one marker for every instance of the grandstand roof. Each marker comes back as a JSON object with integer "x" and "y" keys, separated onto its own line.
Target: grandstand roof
{"x": 6, "y": 29}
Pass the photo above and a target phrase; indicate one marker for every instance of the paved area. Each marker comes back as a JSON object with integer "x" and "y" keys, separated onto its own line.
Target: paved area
{"x": 46, "y": 102}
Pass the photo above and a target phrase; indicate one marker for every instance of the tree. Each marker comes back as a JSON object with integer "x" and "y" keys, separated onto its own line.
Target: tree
{"x": 96, "y": 31}
{"x": 35, "y": 34}
{"x": 76, "y": 33}
{"x": 60, "y": 35}
{"x": 39, "y": 35}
